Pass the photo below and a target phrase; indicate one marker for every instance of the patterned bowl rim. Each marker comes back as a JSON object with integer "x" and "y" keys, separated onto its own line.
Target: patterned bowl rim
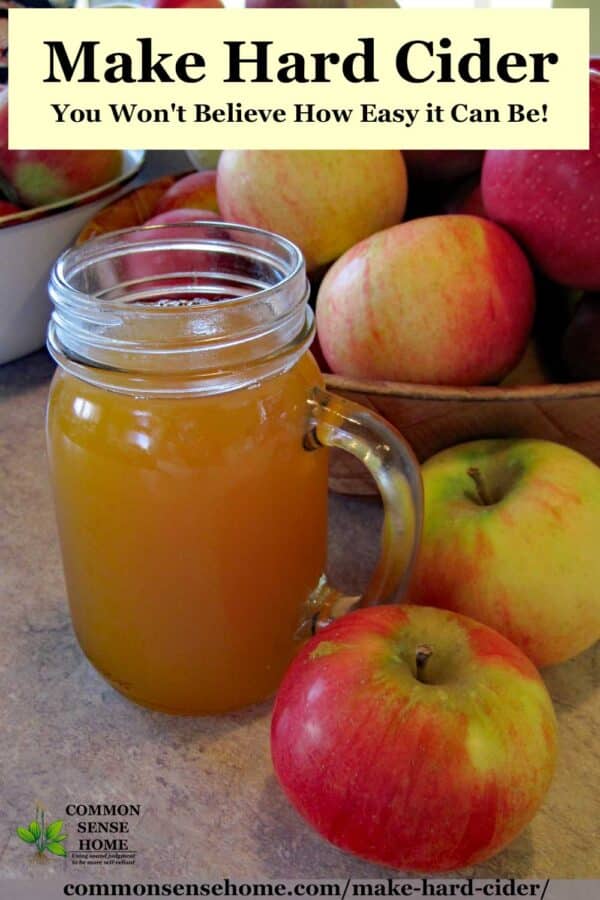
{"x": 133, "y": 161}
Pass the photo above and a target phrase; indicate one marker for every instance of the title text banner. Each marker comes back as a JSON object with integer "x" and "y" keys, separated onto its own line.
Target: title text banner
{"x": 299, "y": 78}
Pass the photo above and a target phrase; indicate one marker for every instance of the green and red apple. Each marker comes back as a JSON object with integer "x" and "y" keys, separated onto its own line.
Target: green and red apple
{"x": 437, "y": 300}
{"x": 510, "y": 538}
{"x": 413, "y": 737}
{"x": 323, "y": 200}
{"x": 40, "y": 177}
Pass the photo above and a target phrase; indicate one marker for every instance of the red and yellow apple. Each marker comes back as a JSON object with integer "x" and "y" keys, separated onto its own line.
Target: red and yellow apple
{"x": 510, "y": 537}
{"x": 437, "y": 300}
{"x": 196, "y": 191}
{"x": 323, "y": 200}
{"x": 414, "y": 737}
{"x": 550, "y": 201}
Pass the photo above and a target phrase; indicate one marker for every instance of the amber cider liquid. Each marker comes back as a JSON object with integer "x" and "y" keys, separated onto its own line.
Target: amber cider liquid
{"x": 193, "y": 529}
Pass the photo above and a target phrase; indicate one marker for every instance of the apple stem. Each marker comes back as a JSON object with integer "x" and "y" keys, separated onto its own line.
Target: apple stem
{"x": 482, "y": 493}
{"x": 422, "y": 654}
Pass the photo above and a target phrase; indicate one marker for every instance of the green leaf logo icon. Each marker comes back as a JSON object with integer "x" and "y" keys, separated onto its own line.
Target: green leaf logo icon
{"x": 26, "y": 835}
{"x": 44, "y": 837}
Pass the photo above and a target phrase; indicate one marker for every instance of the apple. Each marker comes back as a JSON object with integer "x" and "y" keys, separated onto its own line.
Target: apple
{"x": 550, "y": 201}
{"x": 413, "y": 737}
{"x": 198, "y": 190}
{"x": 322, "y": 200}
{"x": 581, "y": 343}
{"x": 40, "y": 177}
{"x": 438, "y": 300}
{"x": 510, "y": 538}
{"x": 595, "y": 63}
{"x": 47, "y": 176}
{"x": 442, "y": 165}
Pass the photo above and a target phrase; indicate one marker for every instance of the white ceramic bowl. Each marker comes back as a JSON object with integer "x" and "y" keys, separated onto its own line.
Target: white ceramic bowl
{"x": 29, "y": 244}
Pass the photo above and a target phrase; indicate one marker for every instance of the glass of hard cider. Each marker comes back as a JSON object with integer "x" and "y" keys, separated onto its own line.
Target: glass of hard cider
{"x": 187, "y": 433}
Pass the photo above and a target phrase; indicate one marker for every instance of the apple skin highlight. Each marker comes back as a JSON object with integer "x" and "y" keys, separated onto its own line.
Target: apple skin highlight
{"x": 426, "y": 776}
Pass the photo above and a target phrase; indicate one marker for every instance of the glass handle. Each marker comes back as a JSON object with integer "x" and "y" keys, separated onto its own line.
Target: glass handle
{"x": 337, "y": 422}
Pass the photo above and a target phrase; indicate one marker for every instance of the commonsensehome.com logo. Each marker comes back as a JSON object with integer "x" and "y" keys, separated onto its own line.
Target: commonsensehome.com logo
{"x": 100, "y": 834}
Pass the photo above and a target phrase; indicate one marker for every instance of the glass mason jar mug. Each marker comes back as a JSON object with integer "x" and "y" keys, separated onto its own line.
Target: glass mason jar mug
{"x": 187, "y": 434}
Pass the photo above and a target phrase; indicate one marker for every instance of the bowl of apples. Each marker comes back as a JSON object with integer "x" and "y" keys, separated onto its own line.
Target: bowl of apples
{"x": 45, "y": 198}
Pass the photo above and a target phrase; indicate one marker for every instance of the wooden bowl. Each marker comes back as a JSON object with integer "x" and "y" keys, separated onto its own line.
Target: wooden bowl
{"x": 430, "y": 418}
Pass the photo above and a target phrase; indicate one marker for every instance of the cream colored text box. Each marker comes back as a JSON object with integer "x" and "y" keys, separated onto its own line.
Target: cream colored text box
{"x": 214, "y": 112}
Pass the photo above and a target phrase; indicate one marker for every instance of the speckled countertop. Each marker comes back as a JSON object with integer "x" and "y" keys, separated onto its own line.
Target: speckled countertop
{"x": 209, "y": 804}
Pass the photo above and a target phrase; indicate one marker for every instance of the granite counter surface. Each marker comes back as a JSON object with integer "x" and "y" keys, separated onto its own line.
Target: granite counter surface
{"x": 209, "y": 804}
